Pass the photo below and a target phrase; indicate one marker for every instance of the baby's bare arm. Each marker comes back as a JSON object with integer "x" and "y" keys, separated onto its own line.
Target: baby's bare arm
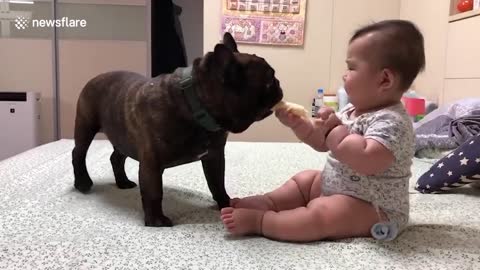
{"x": 365, "y": 156}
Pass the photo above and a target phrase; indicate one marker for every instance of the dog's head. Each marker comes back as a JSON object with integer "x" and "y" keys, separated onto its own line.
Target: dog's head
{"x": 242, "y": 87}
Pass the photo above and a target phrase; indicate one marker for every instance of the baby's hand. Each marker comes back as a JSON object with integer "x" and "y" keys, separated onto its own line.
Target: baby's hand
{"x": 294, "y": 108}
{"x": 328, "y": 117}
{"x": 325, "y": 112}
{"x": 322, "y": 125}
{"x": 332, "y": 121}
{"x": 288, "y": 118}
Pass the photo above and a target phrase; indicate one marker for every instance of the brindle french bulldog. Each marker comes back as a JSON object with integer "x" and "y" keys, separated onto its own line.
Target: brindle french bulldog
{"x": 174, "y": 119}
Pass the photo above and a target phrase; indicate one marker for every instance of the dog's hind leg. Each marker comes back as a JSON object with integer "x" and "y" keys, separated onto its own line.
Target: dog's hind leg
{"x": 85, "y": 131}
{"x": 118, "y": 164}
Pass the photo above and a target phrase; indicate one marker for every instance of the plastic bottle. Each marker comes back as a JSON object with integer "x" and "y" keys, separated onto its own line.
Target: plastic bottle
{"x": 342, "y": 98}
{"x": 331, "y": 101}
{"x": 317, "y": 102}
{"x": 319, "y": 98}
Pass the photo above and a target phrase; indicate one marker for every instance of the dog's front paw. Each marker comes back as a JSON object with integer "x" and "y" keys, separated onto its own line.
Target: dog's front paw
{"x": 223, "y": 203}
{"x": 83, "y": 185}
{"x": 126, "y": 184}
{"x": 161, "y": 221}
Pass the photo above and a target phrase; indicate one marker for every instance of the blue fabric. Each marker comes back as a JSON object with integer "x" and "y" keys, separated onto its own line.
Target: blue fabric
{"x": 458, "y": 168}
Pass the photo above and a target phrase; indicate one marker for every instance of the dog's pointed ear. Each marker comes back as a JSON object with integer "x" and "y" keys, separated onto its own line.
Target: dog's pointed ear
{"x": 223, "y": 55}
{"x": 229, "y": 41}
{"x": 231, "y": 75}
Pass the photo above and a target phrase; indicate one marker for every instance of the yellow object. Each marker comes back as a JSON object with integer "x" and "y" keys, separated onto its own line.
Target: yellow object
{"x": 294, "y": 108}
{"x": 331, "y": 101}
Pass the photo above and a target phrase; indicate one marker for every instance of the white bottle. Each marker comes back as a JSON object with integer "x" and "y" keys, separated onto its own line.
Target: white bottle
{"x": 342, "y": 98}
{"x": 319, "y": 98}
{"x": 317, "y": 102}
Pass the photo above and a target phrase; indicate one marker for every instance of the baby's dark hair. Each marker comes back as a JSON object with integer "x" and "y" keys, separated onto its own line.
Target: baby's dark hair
{"x": 399, "y": 47}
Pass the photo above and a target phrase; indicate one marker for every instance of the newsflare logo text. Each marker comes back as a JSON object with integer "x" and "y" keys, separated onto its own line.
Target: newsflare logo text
{"x": 23, "y": 23}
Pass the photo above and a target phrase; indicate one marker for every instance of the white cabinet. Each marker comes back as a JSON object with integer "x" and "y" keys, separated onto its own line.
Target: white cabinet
{"x": 462, "y": 75}
{"x": 463, "y": 49}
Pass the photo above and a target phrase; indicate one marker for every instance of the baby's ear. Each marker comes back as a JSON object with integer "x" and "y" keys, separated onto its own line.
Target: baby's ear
{"x": 388, "y": 78}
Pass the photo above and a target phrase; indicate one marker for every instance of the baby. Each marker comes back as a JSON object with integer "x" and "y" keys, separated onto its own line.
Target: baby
{"x": 363, "y": 188}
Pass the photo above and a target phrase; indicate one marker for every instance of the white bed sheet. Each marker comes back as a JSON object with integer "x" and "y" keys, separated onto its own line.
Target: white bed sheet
{"x": 46, "y": 224}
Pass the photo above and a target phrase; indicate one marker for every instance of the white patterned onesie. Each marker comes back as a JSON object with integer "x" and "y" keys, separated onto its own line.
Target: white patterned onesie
{"x": 392, "y": 128}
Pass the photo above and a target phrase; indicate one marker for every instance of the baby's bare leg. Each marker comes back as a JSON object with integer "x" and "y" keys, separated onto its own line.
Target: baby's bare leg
{"x": 296, "y": 192}
{"x": 334, "y": 217}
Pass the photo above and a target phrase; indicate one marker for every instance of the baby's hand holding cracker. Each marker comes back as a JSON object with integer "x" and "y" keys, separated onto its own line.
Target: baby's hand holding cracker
{"x": 292, "y": 115}
{"x": 293, "y": 108}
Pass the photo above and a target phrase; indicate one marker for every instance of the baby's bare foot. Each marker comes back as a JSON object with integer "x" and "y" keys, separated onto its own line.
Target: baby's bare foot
{"x": 240, "y": 221}
{"x": 259, "y": 202}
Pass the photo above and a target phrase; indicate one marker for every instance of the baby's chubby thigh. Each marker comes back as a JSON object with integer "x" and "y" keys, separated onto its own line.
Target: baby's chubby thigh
{"x": 310, "y": 183}
{"x": 316, "y": 190}
{"x": 341, "y": 216}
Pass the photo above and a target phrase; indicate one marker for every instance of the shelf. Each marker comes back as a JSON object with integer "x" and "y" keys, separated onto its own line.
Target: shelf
{"x": 464, "y": 15}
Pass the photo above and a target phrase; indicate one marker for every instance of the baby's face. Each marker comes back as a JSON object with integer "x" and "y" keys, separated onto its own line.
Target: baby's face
{"x": 362, "y": 78}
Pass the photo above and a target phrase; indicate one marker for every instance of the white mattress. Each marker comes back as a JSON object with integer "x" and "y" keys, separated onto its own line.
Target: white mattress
{"x": 46, "y": 224}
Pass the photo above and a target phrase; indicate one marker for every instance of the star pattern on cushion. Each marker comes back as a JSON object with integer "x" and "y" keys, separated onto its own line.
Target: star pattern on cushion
{"x": 458, "y": 168}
